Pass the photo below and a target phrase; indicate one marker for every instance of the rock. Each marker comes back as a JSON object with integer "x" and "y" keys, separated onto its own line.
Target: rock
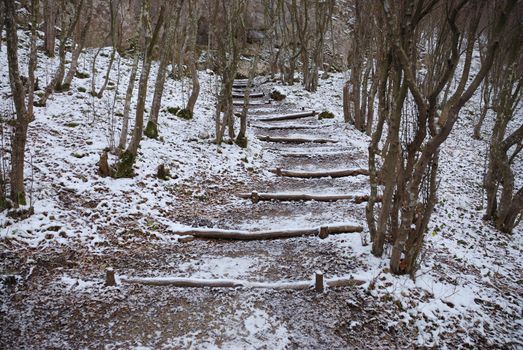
{"x": 204, "y": 135}
{"x": 325, "y": 115}
{"x": 163, "y": 172}
{"x": 277, "y": 96}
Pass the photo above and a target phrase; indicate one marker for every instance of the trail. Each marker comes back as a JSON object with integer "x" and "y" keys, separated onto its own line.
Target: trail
{"x": 75, "y": 309}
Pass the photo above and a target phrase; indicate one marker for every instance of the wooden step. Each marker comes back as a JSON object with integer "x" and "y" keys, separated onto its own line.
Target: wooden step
{"x": 251, "y": 95}
{"x": 291, "y": 116}
{"x": 251, "y": 104}
{"x": 294, "y": 139}
{"x": 319, "y": 173}
{"x": 291, "y": 197}
{"x": 322, "y": 231}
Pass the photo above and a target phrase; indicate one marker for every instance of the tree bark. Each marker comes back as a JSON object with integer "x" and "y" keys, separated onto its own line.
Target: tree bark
{"x": 23, "y": 113}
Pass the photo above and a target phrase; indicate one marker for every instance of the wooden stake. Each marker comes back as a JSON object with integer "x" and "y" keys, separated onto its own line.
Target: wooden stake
{"x": 110, "y": 281}
{"x": 318, "y": 284}
{"x": 255, "y": 198}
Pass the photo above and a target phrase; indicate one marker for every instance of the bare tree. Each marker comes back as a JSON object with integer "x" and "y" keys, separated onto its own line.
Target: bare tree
{"x": 360, "y": 90}
{"x": 68, "y": 26}
{"x": 151, "y": 129}
{"x": 128, "y": 97}
{"x": 24, "y": 110}
{"x": 78, "y": 45}
{"x": 50, "y": 12}
{"x": 113, "y": 10}
{"x": 419, "y": 119}
{"x": 124, "y": 167}
{"x": 504, "y": 200}
{"x": 241, "y": 139}
{"x": 2, "y": 16}
{"x": 194, "y": 13}
{"x": 230, "y": 36}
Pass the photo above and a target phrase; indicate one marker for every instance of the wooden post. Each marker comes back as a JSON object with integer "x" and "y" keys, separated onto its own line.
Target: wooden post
{"x": 323, "y": 232}
{"x": 318, "y": 284}
{"x": 109, "y": 277}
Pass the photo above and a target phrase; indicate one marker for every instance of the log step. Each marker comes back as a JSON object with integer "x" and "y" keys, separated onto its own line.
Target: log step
{"x": 289, "y": 116}
{"x": 240, "y": 85}
{"x": 319, "y": 174}
{"x": 315, "y": 154}
{"x": 255, "y": 197}
{"x": 290, "y": 127}
{"x": 240, "y": 103}
{"x": 251, "y": 95}
{"x": 235, "y": 283}
{"x": 294, "y": 139}
{"x": 322, "y": 232}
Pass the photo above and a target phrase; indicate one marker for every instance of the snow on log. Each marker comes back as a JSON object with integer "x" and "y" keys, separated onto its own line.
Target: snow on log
{"x": 294, "y": 139}
{"x": 322, "y": 232}
{"x": 251, "y": 104}
{"x": 318, "y": 174}
{"x": 183, "y": 282}
{"x": 290, "y": 127}
{"x": 289, "y": 116}
{"x": 318, "y": 283}
{"x": 256, "y": 197}
{"x": 215, "y": 283}
{"x": 344, "y": 282}
{"x": 239, "y": 84}
{"x": 310, "y": 154}
{"x": 239, "y": 94}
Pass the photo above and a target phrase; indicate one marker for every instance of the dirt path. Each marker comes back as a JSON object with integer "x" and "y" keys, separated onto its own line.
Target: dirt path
{"x": 61, "y": 302}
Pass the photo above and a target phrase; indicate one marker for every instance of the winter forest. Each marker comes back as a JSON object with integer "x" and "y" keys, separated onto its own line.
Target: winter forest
{"x": 261, "y": 174}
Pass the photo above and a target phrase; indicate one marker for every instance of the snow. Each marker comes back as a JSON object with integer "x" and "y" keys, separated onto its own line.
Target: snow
{"x": 468, "y": 287}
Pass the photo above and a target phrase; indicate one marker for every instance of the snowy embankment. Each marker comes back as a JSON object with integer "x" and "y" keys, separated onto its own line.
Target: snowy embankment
{"x": 72, "y": 203}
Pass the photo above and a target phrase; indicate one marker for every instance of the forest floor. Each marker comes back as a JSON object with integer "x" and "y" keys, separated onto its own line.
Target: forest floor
{"x": 467, "y": 294}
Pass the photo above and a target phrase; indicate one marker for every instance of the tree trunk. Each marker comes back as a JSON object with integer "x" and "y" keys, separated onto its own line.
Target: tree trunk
{"x": 151, "y": 130}
{"x": 193, "y": 61}
{"x": 79, "y": 45}
{"x": 127, "y": 105}
{"x": 124, "y": 168}
{"x": 23, "y": 114}
{"x": 49, "y": 27}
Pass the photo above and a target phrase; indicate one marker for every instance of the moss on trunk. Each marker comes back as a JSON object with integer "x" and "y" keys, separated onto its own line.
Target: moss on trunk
{"x": 241, "y": 141}
{"x": 151, "y": 130}
{"x": 185, "y": 114}
{"x": 124, "y": 168}
{"x": 19, "y": 198}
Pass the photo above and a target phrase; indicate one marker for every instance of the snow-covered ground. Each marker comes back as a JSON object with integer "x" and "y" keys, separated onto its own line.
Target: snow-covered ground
{"x": 468, "y": 293}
